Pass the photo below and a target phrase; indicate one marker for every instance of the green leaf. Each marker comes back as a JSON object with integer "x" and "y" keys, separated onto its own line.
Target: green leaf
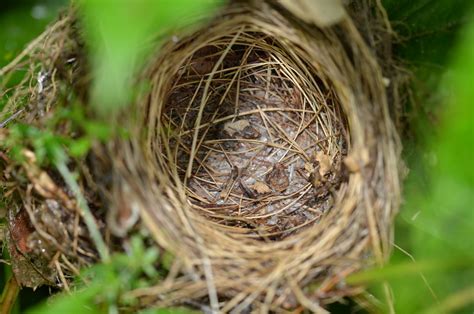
{"x": 118, "y": 32}
{"x": 98, "y": 130}
{"x": 78, "y": 302}
{"x": 427, "y": 30}
{"x": 78, "y": 148}
{"x": 437, "y": 221}
{"x": 408, "y": 269}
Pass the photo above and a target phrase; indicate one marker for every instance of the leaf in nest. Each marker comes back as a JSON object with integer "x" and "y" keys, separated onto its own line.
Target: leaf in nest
{"x": 324, "y": 163}
{"x": 261, "y": 188}
{"x": 319, "y": 12}
{"x": 309, "y": 167}
{"x": 236, "y": 126}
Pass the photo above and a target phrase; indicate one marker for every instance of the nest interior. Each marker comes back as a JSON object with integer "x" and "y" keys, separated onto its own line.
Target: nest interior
{"x": 257, "y": 138}
{"x": 263, "y": 158}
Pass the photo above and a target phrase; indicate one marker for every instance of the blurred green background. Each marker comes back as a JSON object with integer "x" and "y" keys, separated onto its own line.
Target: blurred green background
{"x": 21, "y": 21}
{"x": 432, "y": 266}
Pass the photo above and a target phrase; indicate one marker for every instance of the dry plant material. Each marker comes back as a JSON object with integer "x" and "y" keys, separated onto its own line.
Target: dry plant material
{"x": 254, "y": 121}
{"x": 249, "y": 122}
{"x": 261, "y": 188}
{"x": 263, "y": 158}
{"x": 324, "y": 163}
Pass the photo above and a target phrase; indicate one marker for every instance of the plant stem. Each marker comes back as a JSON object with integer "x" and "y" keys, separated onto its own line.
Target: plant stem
{"x": 85, "y": 212}
{"x": 9, "y": 296}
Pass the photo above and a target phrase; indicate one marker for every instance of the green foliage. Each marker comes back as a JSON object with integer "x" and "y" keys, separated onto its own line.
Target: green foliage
{"x": 107, "y": 283}
{"x": 104, "y": 286}
{"x": 440, "y": 214}
{"x": 49, "y": 146}
{"x": 46, "y": 145}
{"x": 431, "y": 269}
{"x": 427, "y": 31}
{"x": 34, "y": 16}
{"x": 117, "y": 32}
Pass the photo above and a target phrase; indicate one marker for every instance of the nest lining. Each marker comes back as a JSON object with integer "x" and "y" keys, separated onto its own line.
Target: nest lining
{"x": 270, "y": 139}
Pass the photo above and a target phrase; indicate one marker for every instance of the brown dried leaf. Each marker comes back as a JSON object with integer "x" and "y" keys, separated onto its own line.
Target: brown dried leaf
{"x": 261, "y": 188}
{"x": 236, "y": 126}
{"x": 322, "y": 13}
{"x": 278, "y": 178}
{"x": 309, "y": 167}
{"x": 324, "y": 163}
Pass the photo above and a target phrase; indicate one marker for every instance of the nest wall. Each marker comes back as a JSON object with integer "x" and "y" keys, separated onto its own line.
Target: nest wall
{"x": 264, "y": 158}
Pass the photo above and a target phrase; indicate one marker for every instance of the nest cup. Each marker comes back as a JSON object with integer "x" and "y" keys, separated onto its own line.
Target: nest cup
{"x": 255, "y": 138}
{"x": 268, "y": 164}
{"x": 263, "y": 158}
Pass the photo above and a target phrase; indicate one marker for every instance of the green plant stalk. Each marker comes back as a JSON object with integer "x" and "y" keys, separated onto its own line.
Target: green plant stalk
{"x": 9, "y": 296}
{"x": 453, "y": 302}
{"x": 85, "y": 211}
{"x": 406, "y": 269}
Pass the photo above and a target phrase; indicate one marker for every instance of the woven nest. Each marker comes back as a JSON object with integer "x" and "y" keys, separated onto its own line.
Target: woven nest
{"x": 263, "y": 159}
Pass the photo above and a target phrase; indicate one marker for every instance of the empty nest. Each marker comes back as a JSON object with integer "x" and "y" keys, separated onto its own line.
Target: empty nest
{"x": 270, "y": 151}
{"x": 263, "y": 158}
{"x": 256, "y": 139}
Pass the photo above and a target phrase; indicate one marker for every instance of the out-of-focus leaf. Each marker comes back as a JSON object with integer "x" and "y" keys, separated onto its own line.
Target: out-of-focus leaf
{"x": 80, "y": 147}
{"x": 408, "y": 269}
{"x": 445, "y": 209}
{"x": 427, "y": 30}
{"x": 78, "y": 302}
{"x": 117, "y": 33}
{"x": 437, "y": 221}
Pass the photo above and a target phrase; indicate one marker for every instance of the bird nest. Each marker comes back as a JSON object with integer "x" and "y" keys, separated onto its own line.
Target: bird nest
{"x": 257, "y": 141}
{"x": 263, "y": 158}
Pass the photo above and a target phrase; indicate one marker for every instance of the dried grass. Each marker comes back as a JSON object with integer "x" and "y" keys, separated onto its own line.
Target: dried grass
{"x": 223, "y": 240}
